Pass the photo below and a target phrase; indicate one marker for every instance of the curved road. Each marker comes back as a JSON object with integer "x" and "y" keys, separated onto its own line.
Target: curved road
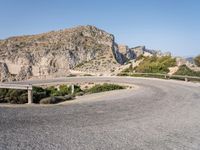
{"x": 156, "y": 115}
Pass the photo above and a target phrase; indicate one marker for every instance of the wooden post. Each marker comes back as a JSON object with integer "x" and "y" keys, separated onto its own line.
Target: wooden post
{"x": 72, "y": 89}
{"x": 30, "y": 95}
{"x": 186, "y": 79}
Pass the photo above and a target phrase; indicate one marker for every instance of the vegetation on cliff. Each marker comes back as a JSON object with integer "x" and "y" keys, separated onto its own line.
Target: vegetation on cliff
{"x": 156, "y": 64}
{"x": 186, "y": 71}
{"x": 197, "y": 60}
{"x": 152, "y": 64}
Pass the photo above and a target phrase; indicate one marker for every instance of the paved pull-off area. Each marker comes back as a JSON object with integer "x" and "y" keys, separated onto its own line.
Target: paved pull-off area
{"x": 157, "y": 115}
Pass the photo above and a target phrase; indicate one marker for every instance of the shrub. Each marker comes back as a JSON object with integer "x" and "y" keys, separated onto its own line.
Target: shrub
{"x": 64, "y": 90}
{"x": 38, "y": 89}
{"x": 15, "y": 96}
{"x": 139, "y": 57}
{"x": 52, "y": 91}
{"x": 156, "y": 64}
{"x": 184, "y": 70}
{"x": 104, "y": 87}
{"x": 3, "y": 93}
{"x": 24, "y": 98}
{"x": 39, "y": 93}
{"x": 197, "y": 61}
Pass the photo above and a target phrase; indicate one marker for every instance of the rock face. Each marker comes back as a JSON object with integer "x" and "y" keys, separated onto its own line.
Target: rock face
{"x": 128, "y": 53}
{"x": 142, "y": 50}
{"x": 138, "y": 50}
{"x": 54, "y": 53}
{"x": 5, "y": 75}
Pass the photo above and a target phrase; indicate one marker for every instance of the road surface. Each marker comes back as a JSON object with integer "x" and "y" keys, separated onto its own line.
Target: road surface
{"x": 157, "y": 115}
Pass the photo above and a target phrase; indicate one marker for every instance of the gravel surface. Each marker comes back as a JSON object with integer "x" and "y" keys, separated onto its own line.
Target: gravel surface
{"x": 156, "y": 115}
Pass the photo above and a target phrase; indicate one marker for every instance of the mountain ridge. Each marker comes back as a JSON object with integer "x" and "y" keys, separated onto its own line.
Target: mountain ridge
{"x": 54, "y": 53}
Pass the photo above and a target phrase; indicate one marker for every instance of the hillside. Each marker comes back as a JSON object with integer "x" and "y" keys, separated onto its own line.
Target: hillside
{"x": 53, "y": 54}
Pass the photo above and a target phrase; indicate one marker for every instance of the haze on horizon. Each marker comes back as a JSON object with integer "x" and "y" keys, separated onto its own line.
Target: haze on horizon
{"x": 172, "y": 25}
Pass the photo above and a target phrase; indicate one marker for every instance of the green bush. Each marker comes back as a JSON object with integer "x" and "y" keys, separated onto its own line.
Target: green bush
{"x": 3, "y": 93}
{"x": 184, "y": 70}
{"x": 23, "y": 98}
{"x": 64, "y": 90}
{"x": 39, "y": 93}
{"x": 104, "y": 87}
{"x": 15, "y": 96}
{"x": 52, "y": 91}
{"x": 156, "y": 64}
{"x": 197, "y": 61}
{"x": 139, "y": 57}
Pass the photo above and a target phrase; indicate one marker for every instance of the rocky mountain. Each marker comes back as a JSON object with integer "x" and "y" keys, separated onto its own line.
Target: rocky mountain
{"x": 190, "y": 60}
{"x": 54, "y": 53}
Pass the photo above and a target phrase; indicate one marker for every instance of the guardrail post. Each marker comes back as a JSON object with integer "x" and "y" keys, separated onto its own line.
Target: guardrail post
{"x": 30, "y": 95}
{"x": 72, "y": 89}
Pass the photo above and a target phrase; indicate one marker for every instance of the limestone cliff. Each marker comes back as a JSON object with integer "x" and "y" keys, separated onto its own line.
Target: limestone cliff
{"x": 53, "y": 54}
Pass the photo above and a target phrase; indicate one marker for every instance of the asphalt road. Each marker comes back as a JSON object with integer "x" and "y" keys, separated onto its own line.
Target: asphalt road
{"x": 156, "y": 115}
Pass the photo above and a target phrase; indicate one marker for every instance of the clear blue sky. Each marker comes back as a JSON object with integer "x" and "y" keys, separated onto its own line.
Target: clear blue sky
{"x": 169, "y": 25}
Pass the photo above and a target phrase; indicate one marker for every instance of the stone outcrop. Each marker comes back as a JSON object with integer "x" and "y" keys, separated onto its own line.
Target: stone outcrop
{"x": 5, "y": 75}
{"x": 142, "y": 50}
{"x": 139, "y": 50}
{"x": 128, "y": 53}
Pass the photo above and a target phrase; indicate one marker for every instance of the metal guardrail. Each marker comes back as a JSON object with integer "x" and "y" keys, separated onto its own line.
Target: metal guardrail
{"x": 29, "y": 88}
{"x": 16, "y": 86}
{"x": 166, "y": 76}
